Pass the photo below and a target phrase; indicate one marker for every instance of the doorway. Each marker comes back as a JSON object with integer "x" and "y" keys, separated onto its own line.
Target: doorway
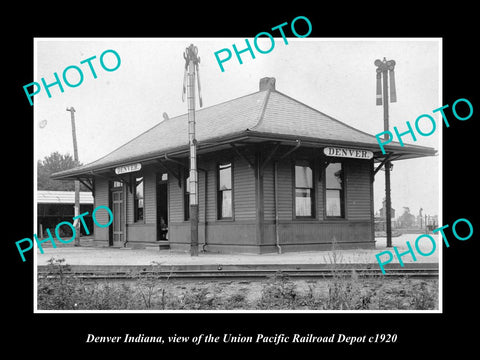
{"x": 162, "y": 207}
{"x": 117, "y": 237}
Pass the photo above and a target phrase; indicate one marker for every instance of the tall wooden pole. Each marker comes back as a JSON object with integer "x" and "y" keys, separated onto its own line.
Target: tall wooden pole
{"x": 386, "y": 126}
{"x": 384, "y": 67}
{"x": 77, "y": 183}
{"x": 191, "y": 64}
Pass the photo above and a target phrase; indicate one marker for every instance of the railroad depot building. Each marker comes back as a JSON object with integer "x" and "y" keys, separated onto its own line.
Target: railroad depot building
{"x": 275, "y": 175}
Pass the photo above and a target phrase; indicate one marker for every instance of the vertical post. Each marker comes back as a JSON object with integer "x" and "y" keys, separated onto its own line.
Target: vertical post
{"x": 77, "y": 183}
{"x": 385, "y": 67}
{"x": 190, "y": 57}
{"x": 388, "y": 213}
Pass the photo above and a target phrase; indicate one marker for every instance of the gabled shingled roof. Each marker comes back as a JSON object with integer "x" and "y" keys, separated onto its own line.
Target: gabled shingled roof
{"x": 263, "y": 113}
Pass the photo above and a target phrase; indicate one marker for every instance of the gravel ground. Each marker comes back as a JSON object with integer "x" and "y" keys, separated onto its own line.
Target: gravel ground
{"x": 90, "y": 255}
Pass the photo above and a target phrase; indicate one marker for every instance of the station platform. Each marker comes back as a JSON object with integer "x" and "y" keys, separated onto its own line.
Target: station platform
{"x": 89, "y": 255}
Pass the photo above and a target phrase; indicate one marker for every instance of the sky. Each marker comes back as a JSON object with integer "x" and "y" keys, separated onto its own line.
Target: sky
{"x": 335, "y": 76}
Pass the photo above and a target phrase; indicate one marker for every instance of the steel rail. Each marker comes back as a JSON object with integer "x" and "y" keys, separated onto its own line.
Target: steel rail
{"x": 211, "y": 274}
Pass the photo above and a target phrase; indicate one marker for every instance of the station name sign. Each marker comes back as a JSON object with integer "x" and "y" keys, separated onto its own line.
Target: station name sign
{"x": 127, "y": 168}
{"x": 348, "y": 153}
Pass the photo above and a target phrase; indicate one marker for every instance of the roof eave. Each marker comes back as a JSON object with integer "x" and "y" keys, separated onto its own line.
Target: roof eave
{"x": 399, "y": 152}
{"x": 89, "y": 171}
{"x": 395, "y": 149}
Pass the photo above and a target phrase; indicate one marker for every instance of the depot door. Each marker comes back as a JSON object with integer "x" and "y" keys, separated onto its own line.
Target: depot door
{"x": 162, "y": 207}
{"x": 118, "y": 227}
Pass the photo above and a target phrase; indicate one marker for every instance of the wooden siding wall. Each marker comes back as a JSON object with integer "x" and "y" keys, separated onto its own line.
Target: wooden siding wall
{"x": 150, "y": 202}
{"x": 176, "y": 209}
{"x": 175, "y": 200}
{"x": 319, "y": 189}
{"x": 268, "y": 193}
{"x": 208, "y": 164}
{"x": 129, "y": 205}
{"x": 243, "y": 190}
{"x": 285, "y": 190}
{"x": 318, "y": 232}
{"x": 202, "y": 181}
{"x": 101, "y": 198}
{"x": 358, "y": 190}
{"x": 234, "y": 234}
{"x": 242, "y": 232}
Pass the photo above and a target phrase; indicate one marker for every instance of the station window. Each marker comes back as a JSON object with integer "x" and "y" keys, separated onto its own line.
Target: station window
{"x": 304, "y": 190}
{"x": 186, "y": 195}
{"x": 224, "y": 191}
{"x": 139, "y": 199}
{"x": 115, "y": 184}
{"x": 334, "y": 187}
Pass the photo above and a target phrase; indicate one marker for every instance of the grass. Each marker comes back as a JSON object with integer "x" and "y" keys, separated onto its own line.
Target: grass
{"x": 60, "y": 290}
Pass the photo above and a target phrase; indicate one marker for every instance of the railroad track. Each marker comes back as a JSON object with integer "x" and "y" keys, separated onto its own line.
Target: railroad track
{"x": 222, "y": 272}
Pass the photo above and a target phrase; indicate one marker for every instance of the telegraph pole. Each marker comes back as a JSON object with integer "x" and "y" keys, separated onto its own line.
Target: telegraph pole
{"x": 77, "y": 183}
{"x": 386, "y": 68}
{"x": 191, "y": 69}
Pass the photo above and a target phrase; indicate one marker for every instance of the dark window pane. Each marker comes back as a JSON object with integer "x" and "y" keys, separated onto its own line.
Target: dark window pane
{"x": 224, "y": 196}
{"x": 186, "y": 198}
{"x": 138, "y": 203}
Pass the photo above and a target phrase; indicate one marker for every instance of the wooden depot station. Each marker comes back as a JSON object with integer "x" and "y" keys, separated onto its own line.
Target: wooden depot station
{"x": 275, "y": 175}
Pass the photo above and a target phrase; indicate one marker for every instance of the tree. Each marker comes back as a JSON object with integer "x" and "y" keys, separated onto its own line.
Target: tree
{"x": 53, "y": 163}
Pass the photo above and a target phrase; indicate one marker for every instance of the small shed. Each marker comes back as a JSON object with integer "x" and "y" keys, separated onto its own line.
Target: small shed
{"x": 54, "y": 207}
